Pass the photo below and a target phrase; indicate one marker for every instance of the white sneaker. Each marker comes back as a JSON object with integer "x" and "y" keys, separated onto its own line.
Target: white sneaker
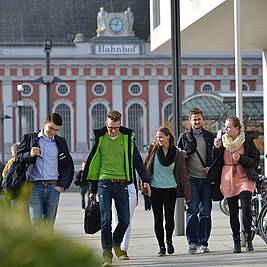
{"x": 202, "y": 249}
{"x": 192, "y": 249}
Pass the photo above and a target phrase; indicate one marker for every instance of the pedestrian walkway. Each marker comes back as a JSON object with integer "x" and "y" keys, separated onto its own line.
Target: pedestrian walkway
{"x": 143, "y": 246}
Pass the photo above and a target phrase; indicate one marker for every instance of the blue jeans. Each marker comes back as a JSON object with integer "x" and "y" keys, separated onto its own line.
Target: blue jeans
{"x": 198, "y": 214}
{"x": 107, "y": 191}
{"x": 43, "y": 203}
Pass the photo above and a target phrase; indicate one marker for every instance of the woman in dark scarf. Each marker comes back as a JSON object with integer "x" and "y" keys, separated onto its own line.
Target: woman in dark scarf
{"x": 165, "y": 165}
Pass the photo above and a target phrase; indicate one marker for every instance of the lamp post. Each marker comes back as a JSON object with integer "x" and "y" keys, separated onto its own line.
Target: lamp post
{"x": 2, "y": 119}
{"x": 47, "y": 79}
{"x": 176, "y": 85}
{"x": 19, "y": 105}
{"x": 47, "y": 50}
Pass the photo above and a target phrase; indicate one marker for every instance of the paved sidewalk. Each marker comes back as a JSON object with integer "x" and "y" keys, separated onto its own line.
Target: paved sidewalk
{"x": 143, "y": 246}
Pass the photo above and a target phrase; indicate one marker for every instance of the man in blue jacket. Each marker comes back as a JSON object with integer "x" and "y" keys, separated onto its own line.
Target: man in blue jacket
{"x": 49, "y": 168}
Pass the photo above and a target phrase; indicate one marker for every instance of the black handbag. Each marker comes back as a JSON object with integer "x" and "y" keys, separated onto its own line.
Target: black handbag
{"x": 92, "y": 218}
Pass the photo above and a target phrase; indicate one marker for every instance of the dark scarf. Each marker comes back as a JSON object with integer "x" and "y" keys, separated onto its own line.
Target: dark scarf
{"x": 169, "y": 158}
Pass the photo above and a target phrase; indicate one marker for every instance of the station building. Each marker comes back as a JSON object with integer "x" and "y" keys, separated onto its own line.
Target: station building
{"x": 97, "y": 69}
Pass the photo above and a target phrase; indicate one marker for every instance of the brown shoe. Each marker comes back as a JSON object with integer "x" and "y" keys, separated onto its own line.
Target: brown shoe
{"x": 125, "y": 255}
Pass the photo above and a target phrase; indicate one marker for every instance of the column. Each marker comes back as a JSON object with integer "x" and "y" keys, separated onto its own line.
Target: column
{"x": 117, "y": 102}
{"x": 81, "y": 116}
{"x": 7, "y": 97}
{"x": 153, "y": 113}
{"x": 42, "y": 105}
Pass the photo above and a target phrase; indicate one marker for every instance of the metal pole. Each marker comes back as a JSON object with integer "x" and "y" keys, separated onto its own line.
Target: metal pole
{"x": 238, "y": 62}
{"x": 47, "y": 84}
{"x": 238, "y": 81}
{"x": 176, "y": 85}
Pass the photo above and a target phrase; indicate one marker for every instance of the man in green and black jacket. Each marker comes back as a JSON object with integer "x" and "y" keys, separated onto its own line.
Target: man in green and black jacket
{"x": 110, "y": 167}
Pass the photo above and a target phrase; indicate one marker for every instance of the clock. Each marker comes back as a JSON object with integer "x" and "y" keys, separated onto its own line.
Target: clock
{"x": 116, "y": 24}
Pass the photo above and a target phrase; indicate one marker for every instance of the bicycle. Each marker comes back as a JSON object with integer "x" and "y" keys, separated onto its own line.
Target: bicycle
{"x": 258, "y": 210}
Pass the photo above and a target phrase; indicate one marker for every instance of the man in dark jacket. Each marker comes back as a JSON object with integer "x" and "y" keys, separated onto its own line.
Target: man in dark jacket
{"x": 197, "y": 143}
{"x": 110, "y": 167}
{"x": 49, "y": 168}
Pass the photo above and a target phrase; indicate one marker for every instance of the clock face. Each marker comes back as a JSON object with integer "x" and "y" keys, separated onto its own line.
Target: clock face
{"x": 116, "y": 24}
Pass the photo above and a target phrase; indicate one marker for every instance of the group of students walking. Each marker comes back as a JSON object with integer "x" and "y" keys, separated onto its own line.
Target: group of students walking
{"x": 201, "y": 167}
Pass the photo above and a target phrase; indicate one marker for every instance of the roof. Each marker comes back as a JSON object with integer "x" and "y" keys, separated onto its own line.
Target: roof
{"x": 31, "y": 22}
{"x": 217, "y": 108}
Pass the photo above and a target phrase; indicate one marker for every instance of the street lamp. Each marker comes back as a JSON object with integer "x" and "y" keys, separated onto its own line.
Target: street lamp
{"x": 176, "y": 85}
{"x": 19, "y": 105}
{"x": 47, "y": 50}
{"x": 47, "y": 79}
{"x": 2, "y": 118}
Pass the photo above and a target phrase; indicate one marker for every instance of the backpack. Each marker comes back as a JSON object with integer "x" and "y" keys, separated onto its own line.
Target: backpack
{"x": 14, "y": 178}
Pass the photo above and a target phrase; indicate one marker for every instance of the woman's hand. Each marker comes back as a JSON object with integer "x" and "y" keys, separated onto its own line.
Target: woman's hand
{"x": 217, "y": 142}
{"x": 236, "y": 157}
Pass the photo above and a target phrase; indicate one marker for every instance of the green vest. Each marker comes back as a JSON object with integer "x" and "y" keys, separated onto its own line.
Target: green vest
{"x": 95, "y": 163}
{"x": 112, "y": 158}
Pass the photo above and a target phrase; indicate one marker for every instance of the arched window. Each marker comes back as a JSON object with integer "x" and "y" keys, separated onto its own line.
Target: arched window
{"x": 27, "y": 120}
{"x": 136, "y": 122}
{"x": 207, "y": 87}
{"x": 64, "y": 111}
{"x": 168, "y": 89}
{"x": 244, "y": 87}
{"x": 98, "y": 116}
{"x": 167, "y": 112}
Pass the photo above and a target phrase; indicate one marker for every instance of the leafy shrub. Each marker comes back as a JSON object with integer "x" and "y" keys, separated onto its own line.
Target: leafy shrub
{"x": 25, "y": 245}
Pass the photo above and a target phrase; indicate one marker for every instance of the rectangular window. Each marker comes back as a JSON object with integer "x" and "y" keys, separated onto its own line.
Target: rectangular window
{"x": 156, "y": 13}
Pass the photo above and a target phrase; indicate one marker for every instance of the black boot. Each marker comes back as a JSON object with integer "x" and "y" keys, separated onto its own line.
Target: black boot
{"x": 162, "y": 251}
{"x": 249, "y": 246}
{"x": 237, "y": 244}
{"x": 170, "y": 247}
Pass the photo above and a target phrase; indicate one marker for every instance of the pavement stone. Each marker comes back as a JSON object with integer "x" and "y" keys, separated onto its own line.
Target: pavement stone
{"x": 143, "y": 247}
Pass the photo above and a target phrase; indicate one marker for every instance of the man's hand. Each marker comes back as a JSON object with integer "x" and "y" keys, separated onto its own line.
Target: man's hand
{"x": 92, "y": 197}
{"x": 59, "y": 189}
{"x": 146, "y": 189}
{"x": 35, "y": 151}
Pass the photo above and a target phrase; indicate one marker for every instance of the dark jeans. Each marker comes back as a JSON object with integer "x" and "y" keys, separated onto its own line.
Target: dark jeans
{"x": 198, "y": 214}
{"x": 107, "y": 191}
{"x": 163, "y": 199}
{"x": 245, "y": 198}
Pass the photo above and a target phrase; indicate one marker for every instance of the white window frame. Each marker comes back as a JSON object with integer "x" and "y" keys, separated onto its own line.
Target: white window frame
{"x": 247, "y": 85}
{"x": 70, "y": 105}
{"x": 99, "y": 83}
{"x": 27, "y": 103}
{"x": 165, "y": 89}
{"x": 207, "y": 83}
{"x": 94, "y": 102}
{"x": 28, "y": 84}
{"x": 143, "y": 104}
{"x": 68, "y": 89}
{"x": 135, "y": 83}
{"x": 164, "y": 105}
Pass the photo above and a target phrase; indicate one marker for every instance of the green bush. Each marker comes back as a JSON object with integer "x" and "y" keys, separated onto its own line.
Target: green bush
{"x": 25, "y": 245}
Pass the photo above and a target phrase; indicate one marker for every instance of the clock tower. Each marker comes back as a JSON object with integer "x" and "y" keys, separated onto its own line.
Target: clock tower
{"x": 115, "y": 24}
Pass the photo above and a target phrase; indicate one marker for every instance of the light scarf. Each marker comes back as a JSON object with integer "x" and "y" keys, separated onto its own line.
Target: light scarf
{"x": 231, "y": 144}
